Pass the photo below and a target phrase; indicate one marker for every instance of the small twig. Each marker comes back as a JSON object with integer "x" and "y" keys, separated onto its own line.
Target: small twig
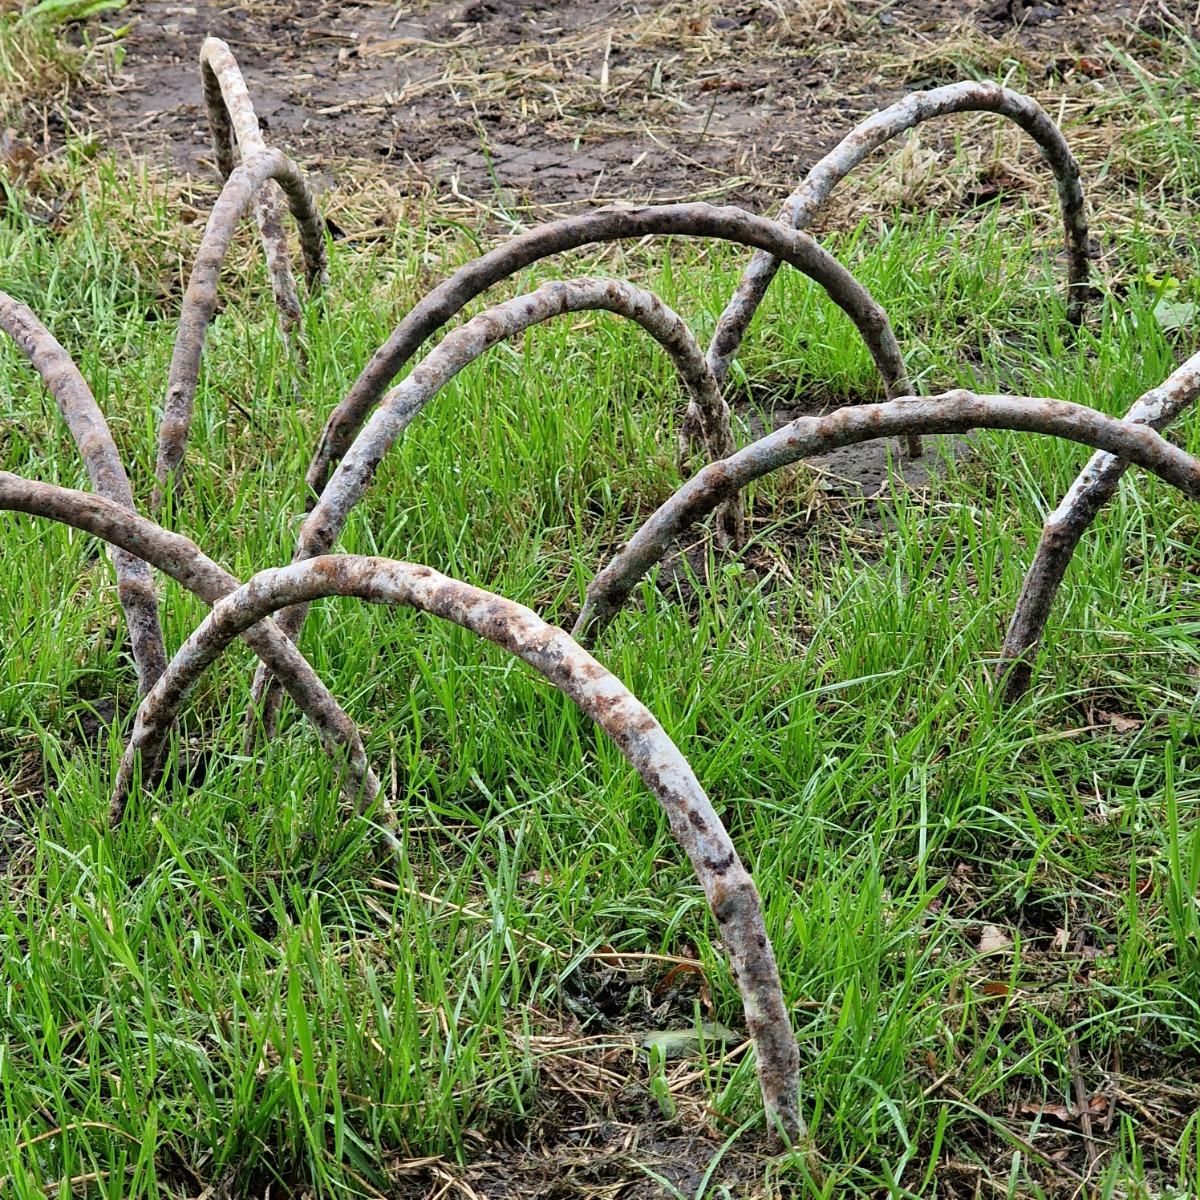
{"x": 708, "y": 116}
{"x": 1083, "y": 1106}
{"x": 604, "y": 64}
{"x": 937, "y": 1084}
{"x": 463, "y": 910}
{"x": 73, "y": 1127}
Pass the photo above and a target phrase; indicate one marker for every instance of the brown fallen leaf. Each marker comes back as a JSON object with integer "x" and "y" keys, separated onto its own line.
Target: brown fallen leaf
{"x": 993, "y": 940}
{"x": 675, "y": 975}
{"x": 608, "y": 955}
{"x": 1067, "y": 1114}
{"x": 1060, "y": 1112}
{"x": 1118, "y": 721}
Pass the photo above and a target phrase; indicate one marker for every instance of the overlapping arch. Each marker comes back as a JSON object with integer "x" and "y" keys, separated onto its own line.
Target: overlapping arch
{"x": 370, "y": 418}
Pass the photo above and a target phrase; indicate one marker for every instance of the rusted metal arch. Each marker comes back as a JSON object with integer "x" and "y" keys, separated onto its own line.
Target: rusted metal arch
{"x": 952, "y": 412}
{"x": 802, "y": 206}
{"x": 612, "y": 223}
{"x": 551, "y": 652}
{"x": 458, "y": 350}
{"x": 1093, "y": 488}
{"x": 184, "y": 562}
{"x": 359, "y": 459}
{"x": 94, "y": 439}
{"x": 200, "y": 300}
{"x": 236, "y": 136}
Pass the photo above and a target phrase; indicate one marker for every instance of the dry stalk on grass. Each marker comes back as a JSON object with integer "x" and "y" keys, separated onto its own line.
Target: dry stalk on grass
{"x": 952, "y": 412}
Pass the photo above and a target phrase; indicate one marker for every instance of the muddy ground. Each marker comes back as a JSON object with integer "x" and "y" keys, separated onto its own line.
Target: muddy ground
{"x": 565, "y": 102}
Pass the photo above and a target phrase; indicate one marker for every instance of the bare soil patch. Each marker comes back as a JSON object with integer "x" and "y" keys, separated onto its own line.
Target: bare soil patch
{"x": 862, "y": 471}
{"x": 564, "y": 102}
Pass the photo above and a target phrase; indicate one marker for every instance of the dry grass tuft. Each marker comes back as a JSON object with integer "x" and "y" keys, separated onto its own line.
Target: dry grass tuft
{"x": 42, "y": 61}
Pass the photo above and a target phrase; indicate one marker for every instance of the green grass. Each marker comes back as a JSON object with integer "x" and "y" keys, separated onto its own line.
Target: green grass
{"x": 226, "y": 992}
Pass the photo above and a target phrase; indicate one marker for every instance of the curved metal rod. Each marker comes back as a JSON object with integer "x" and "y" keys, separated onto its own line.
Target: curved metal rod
{"x": 184, "y": 562}
{"x": 730, "y": 891}
{"x": 234, "y": 125}
{"x": 457, "y": 350}
{"x": 952, "y": 412}
{"x": 1093, "y": 488}
{"x": 92, "y": 436}
{"x": 603, "y": 225}
{"x": 200, "y": 300}
{"x": 803, "y": 204}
